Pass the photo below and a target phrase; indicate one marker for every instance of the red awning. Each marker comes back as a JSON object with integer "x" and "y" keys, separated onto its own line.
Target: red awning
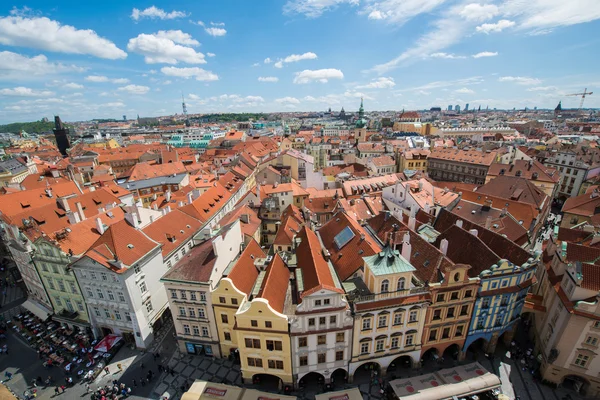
{"x": 107, "y": 343}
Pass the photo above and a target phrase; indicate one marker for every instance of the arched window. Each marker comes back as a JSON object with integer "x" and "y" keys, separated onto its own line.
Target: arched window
{"x": 401, "y": 284}
{"x": 385, "y": 286}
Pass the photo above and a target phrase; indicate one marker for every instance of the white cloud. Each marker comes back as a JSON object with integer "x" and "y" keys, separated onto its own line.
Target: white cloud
{"x": 299, "y": 57}
{"x": 101, "y": 78}
{"x": 25, "y": 92}
{"x": 72, "y": 85}
{"x": 497, "y": 27}
{"x": 479, "y": 12}
{"x": 178, "y": 37}
{"x": 485, "y": 54}
{"x": 116, "y": 104}
{"x": 475, "y": 80}
{"x": 217, "y": 23}
{"x": 398, "y": 11}
{"x": 379, "y": 83}
{"x": 314, "y": 8}
{"x": 135, "y": 89}
{"x": 193, "y": 97}
{"x": 293, "y": 58}
{"x": 13, "y": 65}
{"x": 268, "y": 60}
{"x": 210, "y": 54}
{"x": 544, "y": 14}
{"x": 195, "y": 72}
{"x": 46, "y": 34}
{"x": 464, "y": 91}
{"x": 256, "y": 65}
{"x": 542, "y": 89}
{"x": 520, "y": 80}
{"x": 156, "y": 13}
{"x": 287, "y": 100}
{"x": 156, "y": 49}
{"x": 212, "y": 31}
{"x": 167, "y": 82}
{"x": 357, "y": 95}
{"x": 376, "y": 14}
{"x": 198, "y": 23}
{"x": 447, "y": 31}
{"x": 320, "y": 75}
{"x": 268, "y": 79}
{"x": 445, "y": 55}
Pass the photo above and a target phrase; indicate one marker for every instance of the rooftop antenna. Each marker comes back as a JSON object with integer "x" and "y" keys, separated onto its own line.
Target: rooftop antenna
{"x": 183, "y": 106}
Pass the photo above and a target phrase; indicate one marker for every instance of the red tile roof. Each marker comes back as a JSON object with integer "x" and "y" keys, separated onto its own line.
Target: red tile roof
{"x": 172, "y": 230}
{"x": 244, "y": 272}
{"x": 533, "y": 170}
{"x": 120, "y": 243}
{"x": 275, "y": 284}
{"x": 315, "y": 270}
{"x": 248, "y": 228}
{"x": 474, "y": 157}
{"x": 518, "y": 189}
{"x": 146, "y": 170}
{"x": 348, "y": 259}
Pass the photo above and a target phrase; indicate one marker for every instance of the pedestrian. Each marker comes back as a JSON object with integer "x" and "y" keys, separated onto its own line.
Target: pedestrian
{"x": 34, "y": 383}
{"x": 159, "y": 368}
{"x": 87, "y": 387}
{"x": 56, "y": 391}
{"x": 120, "y": 367}
{"x": 134, "y": 383}
{"x": 142, "y": 365}
{"x": 143, "y": 381}
{"x": 63, "y": 388}
{"x": 106, "y": 370}
{"x": 8, "y": 375}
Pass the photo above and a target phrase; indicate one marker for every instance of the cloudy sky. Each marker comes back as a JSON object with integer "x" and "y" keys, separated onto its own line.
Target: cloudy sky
{"x": 107, "y": 59}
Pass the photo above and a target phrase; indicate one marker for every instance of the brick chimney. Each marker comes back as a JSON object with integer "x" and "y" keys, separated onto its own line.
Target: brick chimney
{"x": 99, "y": 226}
{"x": 80, "y": 211}
{"x": 406, "y": 247}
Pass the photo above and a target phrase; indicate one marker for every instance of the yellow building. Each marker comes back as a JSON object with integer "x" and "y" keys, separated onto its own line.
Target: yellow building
{"x": 233, "y": 289}
{"x": 262, "y": 327}
{"x": 414, "y": 159}
{"x": 109, "y": 144}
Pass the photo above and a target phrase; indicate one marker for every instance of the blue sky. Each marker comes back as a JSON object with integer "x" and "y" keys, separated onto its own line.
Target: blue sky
{"x": 82, "y": 61}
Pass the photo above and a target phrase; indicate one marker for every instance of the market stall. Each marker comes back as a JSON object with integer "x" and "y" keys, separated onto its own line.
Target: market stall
{"x": 202, "y": 390}
{"x": 449, "y": 383}
{"x": 252, "y": 394}
{"x": 350, "y": 394}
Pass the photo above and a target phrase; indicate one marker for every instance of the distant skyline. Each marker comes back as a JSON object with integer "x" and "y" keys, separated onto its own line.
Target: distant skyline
{"x": 80, "y": 60}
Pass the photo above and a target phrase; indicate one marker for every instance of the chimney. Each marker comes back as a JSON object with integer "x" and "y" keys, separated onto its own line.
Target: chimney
{"x": 427, "y": 208}
{"x": 49, "y": 192}
{"x": 459, "y": 223}
{"x": 326, "y": 254}
{"x": 64, "y": 203}
{"x": 488, "y": 222}
{"x": 155, "y": 207}
{"x": 413, "y": 211}
{"x": 151, "y": 218}
{"x": 92, "y": 188}
{"x": 444, "y": 246}
{"x": 412, "y": 222}
{"x": 132, "y": 219}
{"x": 80, "y": 211}
{"x": 73, "y": 217}
{"x": 258, "y": 191}
{"x": 168, "y": 195}
{"x": 406, "y": 247}
{"x": 473, "y": 232}
{"x": 99, "y": 226}
{"x": 386, "y": 215}
{"x": 190, "y": 197}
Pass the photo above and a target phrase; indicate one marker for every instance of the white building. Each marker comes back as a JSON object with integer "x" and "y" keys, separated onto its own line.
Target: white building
{"x": 120, "y": 279}
{"x": 321, "y": 329}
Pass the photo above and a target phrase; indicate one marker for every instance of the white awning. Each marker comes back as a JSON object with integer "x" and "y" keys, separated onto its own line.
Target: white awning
{"x": 350, "y": 394}
{"x": 446, "y": 384}
{"x": 37, "y": 309}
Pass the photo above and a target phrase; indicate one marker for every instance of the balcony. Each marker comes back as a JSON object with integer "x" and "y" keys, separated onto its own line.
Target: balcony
{"x": 368, "y": 298}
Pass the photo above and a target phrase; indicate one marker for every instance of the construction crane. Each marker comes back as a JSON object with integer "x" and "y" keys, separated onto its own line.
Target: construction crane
{"x": 585, "y": 93}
